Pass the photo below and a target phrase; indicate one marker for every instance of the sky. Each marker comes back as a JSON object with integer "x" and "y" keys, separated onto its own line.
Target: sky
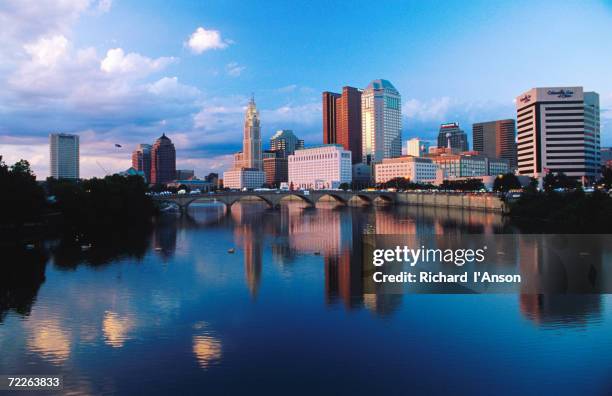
{"x": 125, "y": 71}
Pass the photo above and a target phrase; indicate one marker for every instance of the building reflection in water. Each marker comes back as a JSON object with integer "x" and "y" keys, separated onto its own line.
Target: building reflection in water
{"x": 335, "y": 232}
{"x": 248, "y": 234}
{"x": 164, "y": 236}
{"x": 206, "y": 348}
{"x": 552, "y": 267}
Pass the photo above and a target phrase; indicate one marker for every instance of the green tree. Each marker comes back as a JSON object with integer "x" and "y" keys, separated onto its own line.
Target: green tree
{"x": 506, "y": 182}
{"x": 462, "y": 185}
{"x": 345, "y": 186}
{"x": 532, "y": 186}
{"x": 553, "y": 181}
{"x": 22, "y": 199}
{"x": 606, "y": 177}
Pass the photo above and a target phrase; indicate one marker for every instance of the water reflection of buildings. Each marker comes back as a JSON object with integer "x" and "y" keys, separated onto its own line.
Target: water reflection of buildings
{"x": 164, "y": 236}
{"x": 248, "y": 234}
{"x": 563, "y": 278}
{"x": 324, "y": 230}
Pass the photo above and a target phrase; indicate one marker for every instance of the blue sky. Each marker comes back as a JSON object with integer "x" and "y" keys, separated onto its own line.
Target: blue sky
{"x": 125, "y": 71}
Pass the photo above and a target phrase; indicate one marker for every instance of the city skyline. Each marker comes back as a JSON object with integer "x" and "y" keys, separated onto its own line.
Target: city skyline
{"x": 193, "y": 81}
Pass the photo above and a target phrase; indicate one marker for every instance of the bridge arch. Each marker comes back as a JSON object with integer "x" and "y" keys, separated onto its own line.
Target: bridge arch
{"x": 384, "y": 198}
{"x": 336, "y": 197}
{"x": 302, "y": 197}
{"x": 261, "y": 197}
{"x": 365, "y": 198}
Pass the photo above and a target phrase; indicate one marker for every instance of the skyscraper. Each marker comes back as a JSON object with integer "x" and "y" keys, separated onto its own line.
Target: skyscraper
{"x": 64, "y": 155}
{"x": 248, "y": 170}
{"x": 348, "y": 121}
{"x": 329, "y": 117}
{"x": 417, "y": 147}
{"x": 141, "y": 160}
{"x": 163, "y": 161}
{"x": 286, "y": 142}
{"x": 496, "y": 139}
{"x": 558, "y": 131}
{"x": 381, "y": 122}
{"x": 452, "y": 136}
{"x": 251, "y": 142}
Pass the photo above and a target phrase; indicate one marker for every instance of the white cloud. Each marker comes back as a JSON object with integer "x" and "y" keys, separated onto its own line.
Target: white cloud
{"x": 203, "y": 40}
{"x": 234, "y": 69}
{"x": 307, "y": 114}
{"x": 171, "y": 87}
{"x": 431, "y": 110}
{"x": 47, "y": 50}
{"x": 116, "y": 61}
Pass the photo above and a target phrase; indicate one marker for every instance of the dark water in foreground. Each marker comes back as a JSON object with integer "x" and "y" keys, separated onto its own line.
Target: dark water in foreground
{"x": 170, "y": 311}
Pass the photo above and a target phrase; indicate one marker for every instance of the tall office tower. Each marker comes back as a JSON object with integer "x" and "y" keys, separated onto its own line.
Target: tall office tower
{"x": 286, "y": 142}
{"x": 381, "y": 122}
{"x": 64, "y": 154}
{"x": 496, "y": 139}
{"x": 141, "y": 160}
{"x": 558, "y": 131}
{"x": 251, "y": 143}
{"x": 329, "y": 117}
{"x": 452, "y": 136}
{"x": 342, "y": 120}
{"x": 417, "y": 147}
{"x": 163, "y": 161}
{"x": 348, "y": 121}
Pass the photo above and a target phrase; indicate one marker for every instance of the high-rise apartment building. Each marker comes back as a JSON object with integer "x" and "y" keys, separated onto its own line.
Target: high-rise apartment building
{"x": 64, "y": 155}
{"x": 285, "y": 142}
{"x": 345, "y": 113}
{"x": 381, "y": 122}
{"x": 558, "y": 130}
{"x": 452, "y": 136}
{"x": 496, "y": 139}
{"x": 141, "y": 160}
{"x": 329, "y": 117}
{"x": 417, "y": 147}
{"x": 251, "y": 143}
{"x": 163, "y": 161}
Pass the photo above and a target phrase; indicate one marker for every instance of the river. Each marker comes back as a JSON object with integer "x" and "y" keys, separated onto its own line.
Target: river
{"x": 171, "y": 310}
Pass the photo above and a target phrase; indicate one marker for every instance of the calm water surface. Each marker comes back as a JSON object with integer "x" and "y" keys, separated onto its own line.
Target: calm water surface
{"x": 170, "y": 311}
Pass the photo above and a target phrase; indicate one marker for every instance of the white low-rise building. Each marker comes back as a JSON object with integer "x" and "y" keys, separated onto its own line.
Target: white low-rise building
{"x": 244, "y": 178}
{"x": 415, "y": 169}
{"x": 320, "y": 167}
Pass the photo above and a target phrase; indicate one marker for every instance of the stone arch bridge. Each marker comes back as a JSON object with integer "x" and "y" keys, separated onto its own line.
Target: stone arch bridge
{"x": 273, "y": 198}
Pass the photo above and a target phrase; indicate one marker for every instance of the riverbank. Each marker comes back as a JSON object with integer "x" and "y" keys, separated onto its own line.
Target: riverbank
{"x": 469, "y": 201}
